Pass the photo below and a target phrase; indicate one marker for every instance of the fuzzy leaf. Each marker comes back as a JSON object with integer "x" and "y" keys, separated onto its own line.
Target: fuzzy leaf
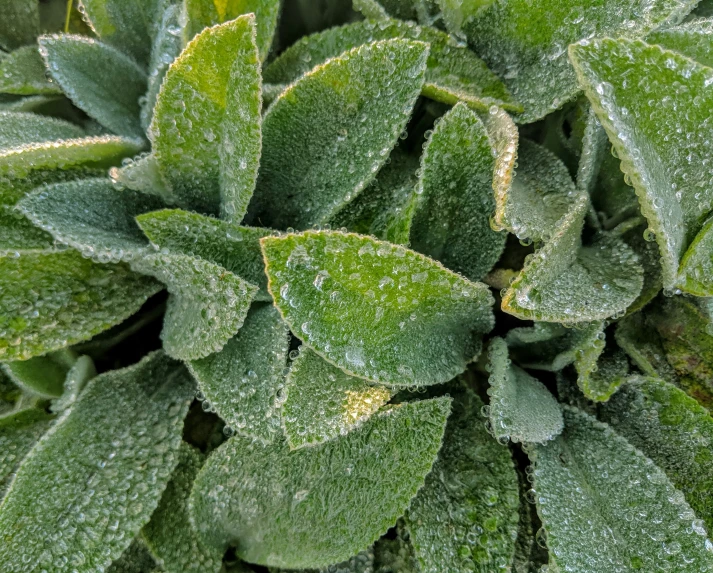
{"x": 370, "y": 9}
{"x": 521, "y": 407}
{"x": 81, "y": 372}
{"x": 673, "y": 186}
{"x": 42, "y": 375}
{"x": 168, "y": 534}
{"x": 376, "y": 310}
{"x": 242, "y": 382}
{"x": 327, "y": 135}
{"x": 51, "y": 299}
{"x": 601, "y": 369}
{"x": 504, "y": 138}
{"x": 696, "y": 270}
{"x": 323, "y": 402}
{"x": 693, "y": 39}
{"x": 453, "y": 72}
{"x": 100, "y": 80}
{"x": 142, "y": 173}
{"x": 20, "y": 23}
{"x": 464, "y": 519}
{"x": 331, "y": 500}
{"x": 595, "y": 490}
{"x": 225, "y": 244}
{"x": 18, "y": 233}
{"x": 122, "y": 435}
{"x": 136, "y": 559}
{"x": 362, "y": 562}
{"x": 594, "y": 147}
{"x": 22, "y": 72}
{"x": 217, "y": 79}
{"x": 19, "y": 130}
{"x": 207, "y": 305}
{"x": 455, "y": 203}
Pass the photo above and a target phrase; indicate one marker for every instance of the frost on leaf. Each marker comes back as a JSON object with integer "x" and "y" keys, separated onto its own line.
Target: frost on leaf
{"x": 267, "y": 500}
{"x": 521, "y": 408}
{"x": 464, "y": 519}
{"x": 606, "y": 507}
{"x": 328, "y": 134}
{"x": 42, "y": 376}
{"x": 454, "y": 200}
{"x": 323, "y": 402}
{"x": 207, "y": 305}
{"x": 51, "y": 299}
{"x": 121, "y": 436}
{"x": 22, "y": 72}
{"x": 243, "y": 381}
{"x": 378, "y": 311}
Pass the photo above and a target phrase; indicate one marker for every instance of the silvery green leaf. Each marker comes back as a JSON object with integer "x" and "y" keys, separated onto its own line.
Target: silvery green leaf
{"x": 20, "y": 23}
{"x": 142, "y": 173}
{"x": 136, "y": 559}
{"x": 601, "y": 369}
{"x": 42, "y": 375}
{"x": 18, "y": 130}
{"x": 81, "y": 372}
{"x": 693, "y": 39}
{"x": 594, "y": 147}
{"x": 23, "y": 71}
{"x": 16, "y": 232}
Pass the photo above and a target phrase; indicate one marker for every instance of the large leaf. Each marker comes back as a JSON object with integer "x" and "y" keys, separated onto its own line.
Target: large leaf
{"x": 606, "y": 507}
{"x": 525, "y": 43}
{"x": 464, "y": 519}
{"x": 51, "y": 299}
{"x": 42, "y": 375}
{"x": 328, "y": 134}
{"x": 453, "y": 72}
{"x": 70, "y": 501}
{"x": 693, "y": 39}
{"x": 455, "y": 203}
{"x": 243, "y": 382}
{"x": 207, "y": 305}
{"x": 23, "y": 72}
{"x": 672, "y": 183}
{"x": 20, "y": 23}
{"x": 376, "y": 310}
{"x": 331, "y": 500}
{"x": 206, "y": 124}
{"x": 323, "y": 402}
{"x": 99, "y": 80}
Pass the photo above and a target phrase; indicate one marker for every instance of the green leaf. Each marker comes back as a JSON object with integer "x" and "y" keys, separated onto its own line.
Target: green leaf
{"x": 225, "y": 244}
{"x": 395, "y": 555}
{"x": 42, "y": 375}
{"x": 455, "y": 202}
{"x": 18, "y": 130}
{"x": 323, "y": 402}
{"x": 402, "y": 9}
{"x": 243, "y": 382}
{"x": 378, "y": 311}
{"x": 453, "y": 72}
{"x": 370, "y": 9}
{"x": 331, "y": 500}
{"x": 19, "y": 431}
{"x": 142, "y": 173}
{"x": 464, "y": 519}
{"x": 594, "y": 147}
{"x": 81, "y": 372}
{"x": 17, "y": 233}
{"x": 527, "y": 46}
{"x": 606, "y": 507}
{"x": 92, "y": 216}
{"x": 136, "y": 559}
{"x": 601, "y": 369}
{"x": 22, "y": 72}
{"x": 674, "y": 431}
{"x": 697, "y": 263}
{"x": 217, "y": 79}
{"x": 20, "y": 23}
{"x": 100, "y": 80}
{"x": 521, "y": 408}
{"x": 52, "y": 299}
{"x": 168, "y": 534}
{"x": 504, "y": 138}
{"x": 328, "y": 134}
{"x": 672, "y": 185}
{"x": 635, "y": 234}
{"x": 206, "y": 13}
{"x": 93, "y": 481}
{"x": 207, "y": 305}
{"x": 693, "y": 39}
{"x": 13, "y": 188}
{"x": 362, "y": 562}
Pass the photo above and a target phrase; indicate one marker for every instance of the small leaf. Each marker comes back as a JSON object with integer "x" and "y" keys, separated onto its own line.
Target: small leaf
{"x": 693, "y": 39}
{"x": 207, "y": 305}
{"x": 376, "y": 310}
{"x": 92, "y": 216}
{"x": 13, "y": 188}
{"x": 365, "y": 479}
{"x": 225, "y": 244}
{"x": 594, "y": 147}
{"x": 22, "y": 129}
{"x": 323, "y": 402}
{"x": 81, "y": 372}
{"x": 51, "y": 299}
{"x": 42, "y": 375}
{"x": 464, "y": 519}
{"x": 328, "y": 134}
{"x": 696, "y": 270}
{"x": 22, "y": 72}
{"x": 504, "y": 138}
{"x": 20, "y": 23}
{"x": 370, "y": 9}
{"x": 601, "y": 370}
{"x": 455, "y": 197}
{"x": 243, "y": 381}
{"x": 142, "y": 173}
{"x": 168, "y": 534}
{"x": 217, "y": 78}
{"x": 521, "y": 407}
{"x": 136, "y": 559}
{"x": 100, "y": 80}
{"x": 595, "y": 490}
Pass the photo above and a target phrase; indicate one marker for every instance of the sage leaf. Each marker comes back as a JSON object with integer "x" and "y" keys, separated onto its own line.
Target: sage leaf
{"x": 22, "y": 72}
{"x": 136, "y": 559}
{"x": 692, "y": 39}
{"x": 601, "y": 369}
{"x": 20, "y": 23}
{"x": 18, "y": 233}
{"x": 142, "y": 173}
{"x": 22, "y": 129}
{"x": 42, "y": 375}
{"x": 81, "y": 372}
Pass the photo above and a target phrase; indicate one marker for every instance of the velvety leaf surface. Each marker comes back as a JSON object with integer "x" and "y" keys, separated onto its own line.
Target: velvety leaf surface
{"x": 81, "y": 372}
{"x": 594, "y": 147}
{"x": 17, "y": 233}
{"x": 22, "y": 72}
{"x": 142, "y": 173}
{"x": 362, "y": 562}
{"x": 41, "y": 375}
{"x": 323, "y": 402}
{"x": 18, "y": 130}
{"x": 464, "y": 519}
{"x": 100, "y": 80}
{"x": 328, "y": 134}
{"x": 20, "y": 23}
{"x": 455, "y": 203}
{"x": 596, "y": 491}
{"x": 136, "y": 559}
{"x": 696, "y": 270}
{"x": 376, "y": 310}
{"x": 207, "y": 305}
{"x": 693, "y": 39}
{"x": 521, "y": 408}
{"x": 332, "y": 500}
{"x": 51, "y": 299}
{"x": 601, "y": 370}
{"x": 121, "y": 436}
{"x": 243, "y": 381}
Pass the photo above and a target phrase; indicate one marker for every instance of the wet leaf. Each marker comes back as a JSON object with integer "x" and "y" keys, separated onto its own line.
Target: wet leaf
{"x": 693, "y": 39}
{"x": 20, "y": 23}
{"x": 142, "y": 173}
{"x": 42, "y": 375}
{"x": 601, "y": 369}
{"x": 16, "y": 232}
{"x": 81, "y": 372}
{"x": 136, "y": 559}
{"x": 22, "y": 72}
{"x": 18, "y": 130}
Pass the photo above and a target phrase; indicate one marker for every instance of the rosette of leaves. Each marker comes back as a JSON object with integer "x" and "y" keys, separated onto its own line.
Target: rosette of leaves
{"x": 299, "y": 286}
